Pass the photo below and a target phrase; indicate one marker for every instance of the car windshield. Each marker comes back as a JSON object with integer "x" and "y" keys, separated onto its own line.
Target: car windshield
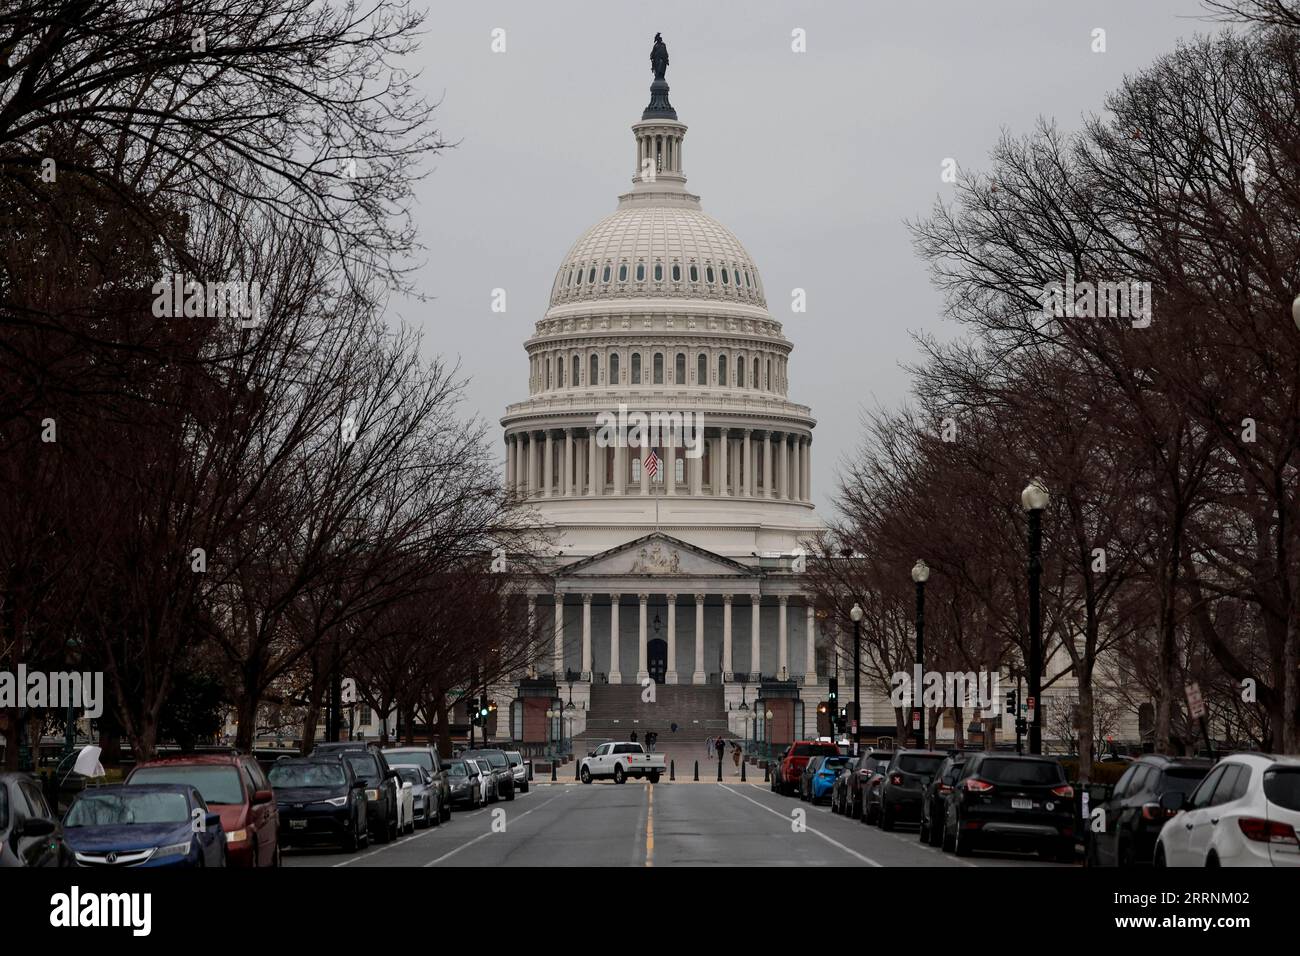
{"x": 1026, "y": 772}
{"x": 217, "y": 784}
{"x": 1184, "y": 779}
{"x": 1282, "y": 787}
{"x": 516, "y": 760}
{"x": 108, "y": 809}
{"x": 457, "y": 769}
{"x": 418, "y": 758}
{"x": 284, "y": 776}
{"x": 410, "y": 774}
{"x": 919, "y": 763}
{"x": 497, "y": 760}
{"x": 834, "y": 763}
{"x": 365, "y": 766}
{"x": 810, "y": 750}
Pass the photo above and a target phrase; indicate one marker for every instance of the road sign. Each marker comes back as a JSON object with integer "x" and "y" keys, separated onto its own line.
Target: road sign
{"x": 1029, "y": 712}
{"x": 916, "y": 720}
{"x": 1194, "y": 702}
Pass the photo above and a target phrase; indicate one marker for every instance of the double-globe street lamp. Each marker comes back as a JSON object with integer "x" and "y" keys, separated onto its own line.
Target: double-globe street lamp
{"x": 920, "y": 574}
{"x": 856, "y": 616}
{"x": 1034, "y": 499}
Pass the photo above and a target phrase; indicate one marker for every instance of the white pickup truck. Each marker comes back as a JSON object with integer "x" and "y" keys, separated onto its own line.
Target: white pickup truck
{"x": 620, "y": 760}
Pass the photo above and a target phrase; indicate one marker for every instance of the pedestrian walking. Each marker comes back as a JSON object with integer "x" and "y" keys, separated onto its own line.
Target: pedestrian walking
{"x": 652, "y": 739}
{"x": 720, "y": 746}
{"x": 634, "y": 736}
{"x": 735, "y": 754}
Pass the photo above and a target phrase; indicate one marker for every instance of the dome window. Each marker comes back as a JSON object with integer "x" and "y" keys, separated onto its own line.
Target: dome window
{"x": 640, "y": 272}
{"x": 559, "y": 372}
{"x": 659, "y": 368}
{"x": 695, "y": 273}
{"x": 579, "y": 282}
{"x": 591, "y": 276}
{"x": 593, "y": 378}
{"x": 722, "y": 370}
{"x": 636, "y": 368}
{"x": 724, "y": 275}
{"x": 754, "y": 381}
{"x": 679, "y": 369}
{"x": 613, "y": 368}
{"x": 740, "y": 372}
{"x": 605, "y": 276}
{"x": 747, "y": 283}
{"x": 677, "y": 272}
{"x": 568, "y": 278}
{"x": 702, "y": 369}
{"x": 622, "y": 272}
{"x": 708, "y": 275}
{"x": 659, "y": 272}
{"x": 577, "y": 371}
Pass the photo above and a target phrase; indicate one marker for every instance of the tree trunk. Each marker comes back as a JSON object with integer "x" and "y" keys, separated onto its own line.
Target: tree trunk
{"x": 1086, "y": 730}
{"x": 959, "y": 729}
{"x": 444, "y": 725}
{"x": 246, "y": 722}
{"x": 309, "y": 722}
{"x": 1290, "y": 664}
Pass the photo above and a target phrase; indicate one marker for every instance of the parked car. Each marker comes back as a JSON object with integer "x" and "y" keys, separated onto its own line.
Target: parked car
{"x": 500, "y": 765}
{"x": 1009, "y": 801}
{"x": 431, "y": 761}
{"x": 865, "y": 778}
{"x": 426, "y": 798}
{"x": 805, "y": 777}
{"x": 236, "y": 788}
{"x": 821, "y": 774}
{"x": 1130, "y": 820}
{"x": 519, "y": 767}
{"x": 1244, "y": 813}
{"x": 320, "y": 800}
{"x": 370, "y": 765}
{"x": 144, "y": 825}
{"x": 785, "y": 776}
{"x": 619, "y": 760}
{"x": 897, "y": 797}
{"x": 934, "y": 798}
{"x": 491, "y": 781}
{"x": 405, "y": 804}
{"x": 840, "y": 790}
{"x": 468, "y": 787}
{"x": 30, "y": 833}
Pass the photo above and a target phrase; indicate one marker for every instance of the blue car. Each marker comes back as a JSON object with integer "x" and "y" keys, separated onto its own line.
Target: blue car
{"x": 164, "y": 824}
{"x": 821, "y": 781}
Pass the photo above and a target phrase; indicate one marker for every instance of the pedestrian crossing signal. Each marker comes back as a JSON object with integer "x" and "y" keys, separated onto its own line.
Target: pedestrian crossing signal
{"x": 834, "y": 692}
{"x": 1011, "y": 702}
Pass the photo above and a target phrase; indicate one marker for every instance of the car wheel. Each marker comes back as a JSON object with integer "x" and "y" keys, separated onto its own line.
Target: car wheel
{"x": 363, "y": 832}
{"x": 1160, "y": 860}
{"x": 444, "y": 804}
{"x": 586, "y": 775}
{"x": 949, "y": 843}
{"x": 619, "y": 775}
{"x": 1212, "y": 859}
{"x": 654, "y": 778}
{"x": 885, "y": 819}
{"x": 923, "y": 831}
{"x": 961, "y": 842}
{"x": 351, "y": 841}
{"x": 510, "y": 794}
{"x": 523, "y": 788}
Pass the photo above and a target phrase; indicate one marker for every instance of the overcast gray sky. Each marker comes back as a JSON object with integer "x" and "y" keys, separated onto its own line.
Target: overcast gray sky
{"x": 814, "y": 159}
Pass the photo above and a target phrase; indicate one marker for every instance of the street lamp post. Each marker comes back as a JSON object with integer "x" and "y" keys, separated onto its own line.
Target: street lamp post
{"x": 767, "y": 727}
{"x": 1034, "y": 499}
{"x": 920, "y": 574}
{"x": 856, "y": 616}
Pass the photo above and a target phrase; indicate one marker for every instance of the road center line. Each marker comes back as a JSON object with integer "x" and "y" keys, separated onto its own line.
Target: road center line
{"x": 833, "y": 842}
{"x": 650, "y": 827}
{"x": 483, "y": 836}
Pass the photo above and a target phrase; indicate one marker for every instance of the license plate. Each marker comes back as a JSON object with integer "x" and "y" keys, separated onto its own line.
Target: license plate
{"x": 297, "y": 824}
{"x": 1022, "y": 804}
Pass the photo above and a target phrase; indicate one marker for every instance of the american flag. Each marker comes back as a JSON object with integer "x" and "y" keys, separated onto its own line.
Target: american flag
{"x": 651, "y": 465}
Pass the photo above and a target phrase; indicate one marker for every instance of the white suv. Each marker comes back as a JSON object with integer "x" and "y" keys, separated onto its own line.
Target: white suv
{"x": 1245, "y": 812}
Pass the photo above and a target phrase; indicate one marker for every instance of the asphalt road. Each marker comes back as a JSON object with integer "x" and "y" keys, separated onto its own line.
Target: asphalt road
{"x": 636, "y": 824}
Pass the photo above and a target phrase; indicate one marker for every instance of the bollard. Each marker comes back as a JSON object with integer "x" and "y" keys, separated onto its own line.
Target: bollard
{"x": 553, "y": 777}
{"x": 697, "y": 771}
{"x": 672, "y": 770}
{"x": 530, "y": 771}
{"x": 719, "y": 770}
{"x": 767, "y": 773}
{"x": 742, "y": 771}
{"x": 577, "y": 770}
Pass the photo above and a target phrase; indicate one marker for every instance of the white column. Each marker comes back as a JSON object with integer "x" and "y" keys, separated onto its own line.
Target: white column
{"x": 783, "y": 642}
{"x": 645, "y": 478}
{"x": 767, "y": 465}
{"x": 510, "y": 466}
{"x": 698, "y": 677}
{"x": 566, "y": 473}
{"x": 586, "y": 637}
{"x": 642, "y": 661}
{"x": 592, "y": 448}
{"x": 810, "y": 652}
{"x": 548, "y": 458}
{"x": 670, "y": 463}
{"x": 726, "y": 637}
{"x": 620, "y": 469}
{"x": 723, "y": 442}
{"x": 558, "y": 662}
{"x": 807, "y": 470}
{"x": 671, "y": 676}
{"x": 532, "y": 465}
{"x": 747, "y": 480}
{"x": 755, "y": 616}
{"x": 783, "y": 468}
{"x": 798, "y": 469}
{"x": 696, "y": 465}
{"x": 614, "y": 676}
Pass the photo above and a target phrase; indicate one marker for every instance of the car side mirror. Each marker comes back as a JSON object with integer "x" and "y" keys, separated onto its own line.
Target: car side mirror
{"x": 1173, "y": 801}
{"x": 392, "y": 774}
{"x": 358, "y": 785}
{"x": 36, "y": 827}
{"x": 263, "y": 796}
{"x": 591, "y": 753}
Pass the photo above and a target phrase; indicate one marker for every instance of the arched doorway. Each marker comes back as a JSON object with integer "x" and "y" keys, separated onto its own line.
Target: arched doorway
{"x": 657, "y": 658}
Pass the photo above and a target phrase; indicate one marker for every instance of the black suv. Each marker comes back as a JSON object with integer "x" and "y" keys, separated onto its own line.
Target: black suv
{"x": 897, "y": 798}
{"x": 500, "y": 764}
{"x": 934, "y": 798}
{"x": 1131, "y": 819}
{"x": 320, "y": 800}
{"x": 1012, "y": 802}
{"x": 371, "y": 767}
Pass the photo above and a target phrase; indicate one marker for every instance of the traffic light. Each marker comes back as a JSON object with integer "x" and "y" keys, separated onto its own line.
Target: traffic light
{"x": 482, "y": 709}
{"x": 834, "y": 692}
{"x": 1011, "y": 702}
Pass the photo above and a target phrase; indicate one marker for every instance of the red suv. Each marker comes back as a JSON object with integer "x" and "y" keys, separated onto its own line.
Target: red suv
{"x": 788, "y": 771}
{"x": 233, "y": 786}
